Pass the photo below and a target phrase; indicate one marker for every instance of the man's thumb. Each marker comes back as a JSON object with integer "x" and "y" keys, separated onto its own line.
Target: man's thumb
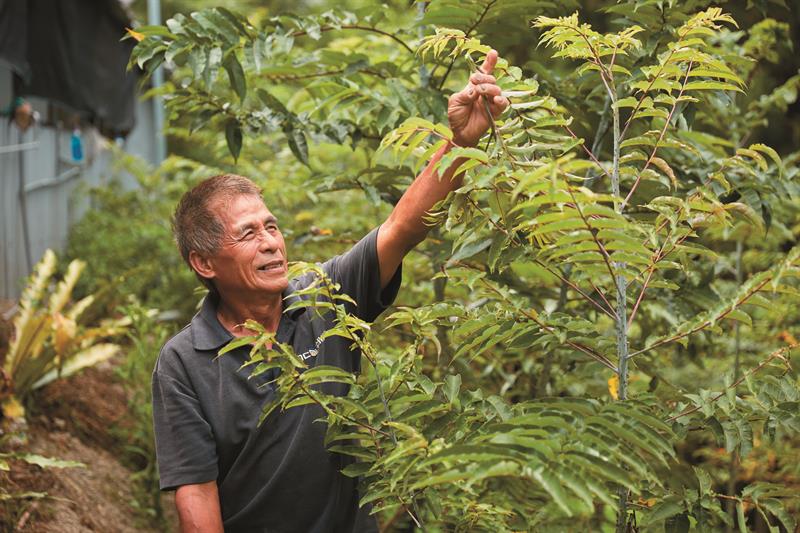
{"x": 488, "y": 64}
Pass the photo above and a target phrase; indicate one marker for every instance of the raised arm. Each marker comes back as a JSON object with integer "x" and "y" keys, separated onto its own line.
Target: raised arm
{"x": 405, "y": 227}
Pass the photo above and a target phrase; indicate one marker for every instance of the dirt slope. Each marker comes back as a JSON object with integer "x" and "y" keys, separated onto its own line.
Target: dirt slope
{"x": 77, "y": 419}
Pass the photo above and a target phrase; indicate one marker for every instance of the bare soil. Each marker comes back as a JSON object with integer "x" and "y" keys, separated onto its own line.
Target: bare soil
{"x": 78, "y": 419}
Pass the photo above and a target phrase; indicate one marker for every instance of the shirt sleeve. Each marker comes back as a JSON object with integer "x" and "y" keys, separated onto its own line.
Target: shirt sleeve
{"x": 358, "y": 274}
{"x": 185, "y": 446}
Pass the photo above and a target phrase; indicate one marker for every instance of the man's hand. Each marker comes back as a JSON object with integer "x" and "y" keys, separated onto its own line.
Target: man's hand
{"x": 466, "y": 110}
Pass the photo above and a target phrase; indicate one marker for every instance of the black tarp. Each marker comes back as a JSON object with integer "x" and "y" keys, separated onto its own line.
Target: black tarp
{"x": 69, "y": 51}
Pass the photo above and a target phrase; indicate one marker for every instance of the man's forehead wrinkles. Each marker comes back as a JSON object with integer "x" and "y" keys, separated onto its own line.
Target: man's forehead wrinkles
{"x": 254, "y": 223}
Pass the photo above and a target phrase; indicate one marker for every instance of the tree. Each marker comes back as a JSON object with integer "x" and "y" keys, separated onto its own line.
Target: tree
{"x": 566, "y": 271}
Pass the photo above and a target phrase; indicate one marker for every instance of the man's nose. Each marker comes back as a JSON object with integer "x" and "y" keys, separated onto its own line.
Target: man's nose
{"x": 267, "y": 241}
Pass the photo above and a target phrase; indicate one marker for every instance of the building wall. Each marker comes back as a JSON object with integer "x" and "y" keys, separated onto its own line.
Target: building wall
{"x": 55, "y": 187}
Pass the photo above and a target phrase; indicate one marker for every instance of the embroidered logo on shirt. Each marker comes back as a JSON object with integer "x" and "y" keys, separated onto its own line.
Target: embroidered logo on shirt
{"x": 313, "y": 351}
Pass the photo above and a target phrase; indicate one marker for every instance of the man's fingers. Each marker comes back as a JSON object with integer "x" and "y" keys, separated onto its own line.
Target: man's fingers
{"x": 483, "y": 84}
{"x": 488, "y": 64}
{"x": 488, "y": 89}
{"x": 498, "y": 105}
{"x": 466, "y": 96}
{"x": 472, "y": 92}
{"x": 479, "y": 78}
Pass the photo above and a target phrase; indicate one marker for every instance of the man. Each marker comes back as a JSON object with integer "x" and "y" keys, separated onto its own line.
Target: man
{"x": 229, "y": 471}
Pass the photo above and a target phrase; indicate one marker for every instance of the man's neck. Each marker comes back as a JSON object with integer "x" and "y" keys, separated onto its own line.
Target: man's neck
{"x": 234, "y": 312}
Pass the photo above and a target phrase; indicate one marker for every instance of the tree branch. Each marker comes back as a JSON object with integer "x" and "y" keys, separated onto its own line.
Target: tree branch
{"x": 300, "y": 33}
{"x": 609, "y": 311}
{"x": 777, "y": 354}
{"x": 600, "y": 358}
{"x": 705, "y": 323}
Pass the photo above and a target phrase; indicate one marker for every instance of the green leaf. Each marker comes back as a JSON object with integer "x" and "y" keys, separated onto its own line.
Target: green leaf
{"x": 236, "y": 343}
{"x": 298, "y": 144}
{"x": 84, "y": 358}
{"x": 272, "y": 103}
{"x": 326, "y": 374}
{"x": 664, "y": 509}
{"x": 49, "y": 462}
{"x": 740, "y": 518}
{"x": 451, "y": 388}
{"x": 551, "y": 484}
{"x": 771, "y": 153}
{"x": 356, "y": 469}
{"x": 233, "y": 136}
{"x": 777, "y": 508}
{"x": 470, "y": 249}
{"x": 446, "y": 477}
{"x": 236, "y": 75}
{"x": 711, "y": 86}
{"x": 630, "y": 101}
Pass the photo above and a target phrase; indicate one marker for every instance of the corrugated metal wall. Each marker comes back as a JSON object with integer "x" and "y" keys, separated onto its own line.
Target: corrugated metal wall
{"x": 54, "y": 186}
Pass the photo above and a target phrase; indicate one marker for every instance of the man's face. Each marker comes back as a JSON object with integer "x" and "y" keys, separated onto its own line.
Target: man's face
{"x": 252, "y": 258}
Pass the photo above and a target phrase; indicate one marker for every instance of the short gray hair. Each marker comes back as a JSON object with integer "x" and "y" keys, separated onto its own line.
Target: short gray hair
{"x": 195, "y": 225}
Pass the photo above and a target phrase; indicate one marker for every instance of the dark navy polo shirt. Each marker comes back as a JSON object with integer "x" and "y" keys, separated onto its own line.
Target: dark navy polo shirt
{"x": 276, "y": 477}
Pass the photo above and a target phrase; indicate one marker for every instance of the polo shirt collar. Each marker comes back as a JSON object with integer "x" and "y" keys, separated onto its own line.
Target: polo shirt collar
{"x": 209, "y": 334}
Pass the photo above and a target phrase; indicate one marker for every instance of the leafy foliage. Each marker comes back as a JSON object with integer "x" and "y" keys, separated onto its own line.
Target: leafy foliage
{"x": 50, "y": 341}
{"x": 147, "y": 333}
{"x": 438, "y": 443}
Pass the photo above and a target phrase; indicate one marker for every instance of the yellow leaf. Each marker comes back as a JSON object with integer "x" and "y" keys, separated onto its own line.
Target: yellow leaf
{"x": 664, "y": 167}
{"x": 787, "y": 337}
{"x": 64, "y": 332}
{"x": 304, "y": 217}
{"x": 88, "y": 357}
{"x": 613, "y": 386}
{"x": 135, "y": 34}
{"x": 12, "y": 409}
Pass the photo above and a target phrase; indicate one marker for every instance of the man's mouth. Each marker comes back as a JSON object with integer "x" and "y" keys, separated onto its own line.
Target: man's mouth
{"x": 272, "y": 266}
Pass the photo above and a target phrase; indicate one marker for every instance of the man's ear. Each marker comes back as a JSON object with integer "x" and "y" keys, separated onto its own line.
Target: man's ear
{"x": 202, "y": 265}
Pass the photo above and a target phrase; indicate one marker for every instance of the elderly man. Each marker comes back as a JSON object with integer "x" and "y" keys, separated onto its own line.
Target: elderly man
{"x": 230, "y": 472}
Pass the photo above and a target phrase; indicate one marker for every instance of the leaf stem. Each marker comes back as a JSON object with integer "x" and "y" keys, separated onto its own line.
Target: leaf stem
{"x": 600, "y": 247}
